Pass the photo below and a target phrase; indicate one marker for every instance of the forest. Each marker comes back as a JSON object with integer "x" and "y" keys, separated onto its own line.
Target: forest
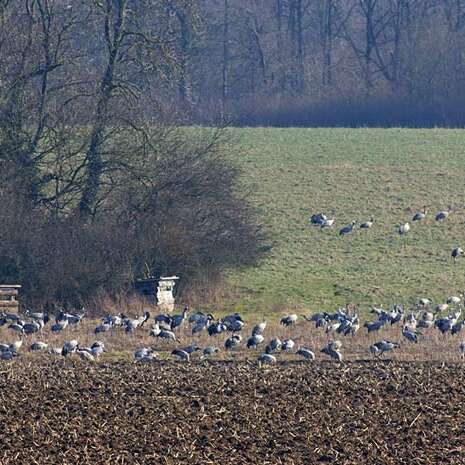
{"x": 326, "y": 62}
{"x": 104, "y": 177}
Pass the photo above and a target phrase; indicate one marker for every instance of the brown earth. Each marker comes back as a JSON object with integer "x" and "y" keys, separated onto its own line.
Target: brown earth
{"x": 66, "y": 412}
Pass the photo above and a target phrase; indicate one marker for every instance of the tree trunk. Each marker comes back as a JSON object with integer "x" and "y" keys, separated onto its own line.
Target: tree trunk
{"x": 95, "y": 163}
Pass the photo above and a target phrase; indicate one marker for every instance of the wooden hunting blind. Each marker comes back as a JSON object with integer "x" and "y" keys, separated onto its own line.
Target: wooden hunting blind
{"x": 9, "y": 297}
{"x": 159, "y": 291}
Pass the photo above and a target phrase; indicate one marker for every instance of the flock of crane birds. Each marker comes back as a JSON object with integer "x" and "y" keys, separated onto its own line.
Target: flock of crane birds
{"x": 321, "y": 220}
{"x": 342, "y": 323}
{"x": 167, "y": 327}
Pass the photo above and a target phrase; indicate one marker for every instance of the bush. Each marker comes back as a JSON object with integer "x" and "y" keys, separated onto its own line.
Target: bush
{"x": 189, "y": 220}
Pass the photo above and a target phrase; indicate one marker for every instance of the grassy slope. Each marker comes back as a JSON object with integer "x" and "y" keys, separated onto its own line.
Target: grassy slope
{"x": 352, "y": 174}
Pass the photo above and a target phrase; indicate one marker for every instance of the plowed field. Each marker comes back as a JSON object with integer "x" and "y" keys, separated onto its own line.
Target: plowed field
{"x": 65, "y": 412}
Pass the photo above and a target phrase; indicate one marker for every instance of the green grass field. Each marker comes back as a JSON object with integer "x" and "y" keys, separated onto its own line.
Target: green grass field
{"x": 352, "y": 174}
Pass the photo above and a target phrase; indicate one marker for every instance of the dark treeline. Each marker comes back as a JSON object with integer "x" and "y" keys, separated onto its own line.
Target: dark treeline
{"x": 99, "y": 182}
{"x": 326, "y": 62}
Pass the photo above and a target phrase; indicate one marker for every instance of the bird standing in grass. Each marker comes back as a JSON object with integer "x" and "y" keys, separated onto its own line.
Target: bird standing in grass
{"x": 289, "y": 320}
{"x": 368, "y": 224}
{"x": 456, "y": 253}
{"x": 409, "y": 334}
{"x": 259, "y": 329}
{"x": 347, "y": 229}
{"x": 404, "y": 229}
{"x": 420, "y": 216}
{"x": 327, "y": 223}
{"x": 444, "y": 214}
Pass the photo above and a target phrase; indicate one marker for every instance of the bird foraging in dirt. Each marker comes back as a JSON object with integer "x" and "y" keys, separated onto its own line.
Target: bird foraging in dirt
{"x": 181, "y": 354}
{"x": 259, "y": 329}
{"x": 462, "y": 349}
{"x": 266, "y": 358}
{"x": 253, "y": 341}
{"x": 69, "y": 347}
{"x": 306, "y": 353}
{"x": 144, "y": 354}
{"x": 210, "y": 350}
{"x": 273, "y": 346}
{"x": 379, "y": 348}
{"x": 333, "y": 350}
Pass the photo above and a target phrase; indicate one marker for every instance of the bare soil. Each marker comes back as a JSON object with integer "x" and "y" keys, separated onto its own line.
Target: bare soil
{"x": 65, "y": 412}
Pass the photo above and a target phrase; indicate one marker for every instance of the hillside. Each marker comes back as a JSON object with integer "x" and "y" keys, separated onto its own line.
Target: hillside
{"x": 352, "y": 174}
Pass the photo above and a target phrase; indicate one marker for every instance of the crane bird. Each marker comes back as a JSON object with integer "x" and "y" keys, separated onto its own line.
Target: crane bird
{"x": 38, "y": 345}
{"x": 195, "y": 317}
{"x": 327, "y": 223}
{"x": 210, "y": 350}
{"x": 347, "y": 229}
{"x": 59, "y": 326}
{"x": 368, "y": 224}
{"x": 167, "y": 335}
{"x": 273, "y": 346}
{"x": 289, "y": 320}
{"x": 155, "y": 330}
{"x": 177, "y": 320}
{"x": 7, "y": 355}
{"x": 374, "y": 325}
{"x": 181, "y": 354}
{"x": 426, "y": 321}
{"x": 424, "y": 302}
{"x": 306, "y": 353}
{"x": 103, "y": 327}
{"x": 456, "y": 253}
{"x": 453, "y": 300}
{"x": 144, "y": 354}
{"x": 462, "y": 349}
{"x": 441, "y": 308}
{"x": 33, "y": 327}
{"x": 318, "y": 219}
{"x": 15, "y": 346}
{"x": 201, "y": 324}
{"x": 410, "y": 335}
{"x": 191, "y": 349}
{"x": 85, "y": 356}
{"x": 69, "y": 347}
{"x": 266, "y": 358}
{"x": 457, "y": 327}
{"x": 254, "y": 341}
{"x": 443, "y": 215}
{"x": 232, "y": 341}
{"x": 404, "y": 229}
{"x": 379, "y": 348}
{"x": 259, "y": 329}
{"x": 333, "y": 350}
{"x": 287, "y": 345}
{"x": 420, "y": 216}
